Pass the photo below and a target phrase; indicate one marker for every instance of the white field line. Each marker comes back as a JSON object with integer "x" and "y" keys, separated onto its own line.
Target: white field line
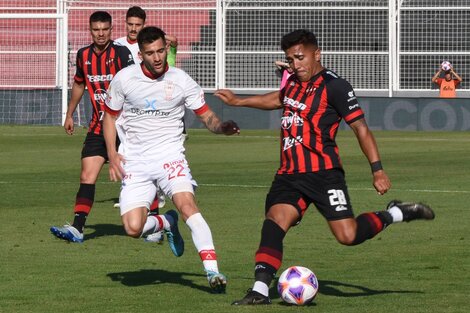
{"x": 253, "y": 186}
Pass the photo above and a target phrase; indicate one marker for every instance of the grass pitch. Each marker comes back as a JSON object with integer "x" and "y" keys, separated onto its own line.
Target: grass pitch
{"x": 415, "y": 267}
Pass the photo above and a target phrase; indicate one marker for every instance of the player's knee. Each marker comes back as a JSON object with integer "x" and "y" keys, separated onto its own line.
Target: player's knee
{"x": 346, "y": 238}
{"x": 133, "y": 229}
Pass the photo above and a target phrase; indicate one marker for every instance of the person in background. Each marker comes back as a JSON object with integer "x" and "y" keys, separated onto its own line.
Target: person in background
{"x": 448, "y": 84}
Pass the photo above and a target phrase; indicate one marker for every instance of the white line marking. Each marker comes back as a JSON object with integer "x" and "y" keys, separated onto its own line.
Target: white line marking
{"x": 253, "y": 186}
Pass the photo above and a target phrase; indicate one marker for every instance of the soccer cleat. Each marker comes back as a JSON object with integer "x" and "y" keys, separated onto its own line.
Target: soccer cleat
{"x": 217, "y": 281}
{"x": 175, "y": 241}
{"x": 67, "y": 232}
{"x": 252, "y": 298}
{"x": 116, "y": 205}
{"x": 412, "y": 211}
{"x": 156, "y": 237}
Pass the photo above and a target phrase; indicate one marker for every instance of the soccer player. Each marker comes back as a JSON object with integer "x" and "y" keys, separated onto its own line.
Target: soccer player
{"x": 145, "y": 108}
{"x": 135, "y": 21}
{"x": 96, "y": 66}
{"x": 314, "y": 100}
{"x": 448, "y": 84}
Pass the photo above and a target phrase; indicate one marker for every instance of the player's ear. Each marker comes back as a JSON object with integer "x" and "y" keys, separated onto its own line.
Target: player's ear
{"x": 317, "y": 55}
{"x": 140, "y": 55}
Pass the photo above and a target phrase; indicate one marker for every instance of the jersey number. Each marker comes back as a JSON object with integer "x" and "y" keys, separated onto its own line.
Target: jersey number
{"x": 337, "y": 197}
{"x": 174, "y": 171}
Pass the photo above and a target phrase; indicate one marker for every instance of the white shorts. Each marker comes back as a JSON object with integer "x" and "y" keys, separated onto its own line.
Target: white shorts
{"x": 139, "y": 186}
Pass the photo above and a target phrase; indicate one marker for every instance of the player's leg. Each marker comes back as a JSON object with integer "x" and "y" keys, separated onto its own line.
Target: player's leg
{"x": 202, "y": 238}
{"x": 284, "y": 208}
{"x": 93, "y": 157}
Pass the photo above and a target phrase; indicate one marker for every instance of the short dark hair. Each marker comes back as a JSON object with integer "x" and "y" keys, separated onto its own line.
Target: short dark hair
{"x": 101, "y": 16}
{"x": 299, "y": 36}
{"x": 136, "y": 11}
{"x": 150, "y": 34}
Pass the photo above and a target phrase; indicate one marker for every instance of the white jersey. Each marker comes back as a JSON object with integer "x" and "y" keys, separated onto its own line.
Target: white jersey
{"x": 133, "y": 47}
{"x": 150, "y": 125}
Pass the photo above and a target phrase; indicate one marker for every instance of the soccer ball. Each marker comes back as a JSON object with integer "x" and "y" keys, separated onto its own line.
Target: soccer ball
{"x": 446, "y": 65}
{"x": 297, "y": 285}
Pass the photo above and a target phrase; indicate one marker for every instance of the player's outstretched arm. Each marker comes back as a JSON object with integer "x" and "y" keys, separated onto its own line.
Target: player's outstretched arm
{"x": 116, "y": 172}
{"x": 436, "y": 76}
{"x": 368, "y": 145}
{"x": 78, "y": 90}
{"x": 215, "y": 125}
{"x": 268, "y": 101}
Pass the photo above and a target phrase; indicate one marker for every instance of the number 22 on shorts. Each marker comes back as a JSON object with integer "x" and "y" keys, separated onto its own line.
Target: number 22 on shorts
{"x": 174, "y": 169}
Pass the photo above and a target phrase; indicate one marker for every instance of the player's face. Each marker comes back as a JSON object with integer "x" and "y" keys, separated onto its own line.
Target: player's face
{"x": 304, "y": 61}
{"x": 133, "y": 26}
{"x": 447, "y": 76}
{"x": 101, "y": 33}
{"x": 154, "y": 56}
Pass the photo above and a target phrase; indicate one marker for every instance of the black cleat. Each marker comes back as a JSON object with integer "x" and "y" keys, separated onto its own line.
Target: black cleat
{"x": 413, "y": 211}
{"x": 252, "y": 298}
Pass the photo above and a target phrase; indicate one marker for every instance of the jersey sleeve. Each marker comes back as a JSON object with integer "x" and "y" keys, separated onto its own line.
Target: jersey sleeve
{"x": 194, "y": 95}
{"x": 343, "y": 99}
{"x": 439, "y": 81}
{"x": 115, "y": 97}
{"x": 171, "y": 56}
{"x": 79, "y": 74}
{"x": 125, "y": 55}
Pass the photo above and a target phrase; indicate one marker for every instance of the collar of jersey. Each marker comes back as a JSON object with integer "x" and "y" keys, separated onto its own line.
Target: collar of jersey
{"x": 150, "y": 75}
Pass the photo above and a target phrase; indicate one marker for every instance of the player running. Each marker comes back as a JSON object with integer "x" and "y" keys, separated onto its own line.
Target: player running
{"x": 145, "y": 108}
{"x": 314, "y": 100}
{"x": 96, "y": 66}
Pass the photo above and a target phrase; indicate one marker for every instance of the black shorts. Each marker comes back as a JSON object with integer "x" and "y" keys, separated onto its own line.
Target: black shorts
{"x": 94, "y": 145}
{"x": 327, "y": 190}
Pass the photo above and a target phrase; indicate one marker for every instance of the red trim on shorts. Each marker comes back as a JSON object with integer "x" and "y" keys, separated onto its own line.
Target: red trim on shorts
{"x": 302, "y": 205}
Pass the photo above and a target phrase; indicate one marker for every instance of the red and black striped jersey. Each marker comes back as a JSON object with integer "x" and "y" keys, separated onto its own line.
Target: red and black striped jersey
{"x": 97, "y": 71}
{"x": 312, "y": 112}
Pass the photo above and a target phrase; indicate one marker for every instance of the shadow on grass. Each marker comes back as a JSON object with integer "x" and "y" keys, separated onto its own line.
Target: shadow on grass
{"x": 337, "y": 289}
{"x": 155, "y": 277}
{"x": 105, "y": 230}
{"x": 333, "y": 288}
{"x": 112, "y": 200}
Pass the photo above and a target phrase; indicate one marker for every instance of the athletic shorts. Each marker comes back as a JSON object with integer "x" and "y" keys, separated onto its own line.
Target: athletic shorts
{"x": 327, "y": 190}
{"x": 95, "y": 145}
{"x": 139, "y": 185}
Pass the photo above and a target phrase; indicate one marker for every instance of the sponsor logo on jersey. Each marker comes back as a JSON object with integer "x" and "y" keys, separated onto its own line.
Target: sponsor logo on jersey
{"x": 100, "y": 95}
{"x": 291, "y": 118}
{"x": 100, "y": 78}
{"x": 289, "y": 142}
{"x": 351, "y": 97}
{"x": 169, "y": 88}
{"x": 340, "y": 208}
{"x": 294, "y": 103}
{"x": 108, "y": 61}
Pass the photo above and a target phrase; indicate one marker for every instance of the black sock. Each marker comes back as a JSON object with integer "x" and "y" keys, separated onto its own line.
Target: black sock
{"x": 370, "y": 224}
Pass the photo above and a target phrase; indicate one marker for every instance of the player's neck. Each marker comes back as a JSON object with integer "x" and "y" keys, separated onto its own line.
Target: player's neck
{"x": 131, "y": 41}
{"x": 99, "y": 49}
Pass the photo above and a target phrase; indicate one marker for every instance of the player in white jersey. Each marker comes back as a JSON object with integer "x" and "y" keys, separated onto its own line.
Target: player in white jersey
{"x": 135, "y": 21}
{"x": 145, "y": 106}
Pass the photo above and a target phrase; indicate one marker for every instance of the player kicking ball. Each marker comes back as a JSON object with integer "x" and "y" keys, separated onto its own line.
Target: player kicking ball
{"x": 145, "y": 107}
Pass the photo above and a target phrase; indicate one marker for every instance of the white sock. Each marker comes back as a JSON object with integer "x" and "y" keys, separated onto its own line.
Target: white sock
{"x": 156, "y": 223}
{"x": 202, "y": 238}
{"x": 262, "y": 288}
{"x": 396, "y": 214}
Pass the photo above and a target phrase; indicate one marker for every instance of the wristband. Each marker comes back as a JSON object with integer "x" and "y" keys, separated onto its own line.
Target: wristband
{"x": 376, "y": 166}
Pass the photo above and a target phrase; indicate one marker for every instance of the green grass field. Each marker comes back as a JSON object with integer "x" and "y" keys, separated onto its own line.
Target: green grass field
{"x": 416, "y": 267}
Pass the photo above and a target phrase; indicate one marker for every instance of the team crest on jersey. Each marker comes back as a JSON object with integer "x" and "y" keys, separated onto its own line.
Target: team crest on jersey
{"x": 169, "y": 88}
{"x": 291, "y": 118}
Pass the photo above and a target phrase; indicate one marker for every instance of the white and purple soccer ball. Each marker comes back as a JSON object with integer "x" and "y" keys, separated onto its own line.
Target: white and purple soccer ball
{"x": 297, "y": 285}
{"x": 446, "y": 65}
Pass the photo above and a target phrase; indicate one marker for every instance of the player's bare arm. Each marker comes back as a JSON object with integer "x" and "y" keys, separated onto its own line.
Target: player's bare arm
{"x": 268, "y": 101}
{"x": 78, "y": 89}
{"x": 368, "y": 146}
{"x": 116, "y": 172}
{"x": 215, "y": 125}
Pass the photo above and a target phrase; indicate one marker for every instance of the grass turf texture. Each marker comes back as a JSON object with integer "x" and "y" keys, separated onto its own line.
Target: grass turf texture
{"x": 416, "y": 267}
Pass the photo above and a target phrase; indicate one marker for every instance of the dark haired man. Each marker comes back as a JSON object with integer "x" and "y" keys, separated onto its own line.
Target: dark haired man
{"x": 145, "y": 108}
{"x": 96, "y": 66}
{"x": 314, "y": 100}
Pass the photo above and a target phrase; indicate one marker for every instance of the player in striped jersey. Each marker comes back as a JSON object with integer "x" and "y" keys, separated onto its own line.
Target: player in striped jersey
{"x": 314, "y": 100}
{"x": 96, "y": 66}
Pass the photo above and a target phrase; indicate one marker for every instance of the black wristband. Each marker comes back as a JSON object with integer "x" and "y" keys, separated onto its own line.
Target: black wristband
{"x": 376, "y": 166}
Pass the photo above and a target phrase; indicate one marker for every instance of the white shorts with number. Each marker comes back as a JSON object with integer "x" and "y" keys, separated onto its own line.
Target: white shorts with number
{"x": 138, "y": 189}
